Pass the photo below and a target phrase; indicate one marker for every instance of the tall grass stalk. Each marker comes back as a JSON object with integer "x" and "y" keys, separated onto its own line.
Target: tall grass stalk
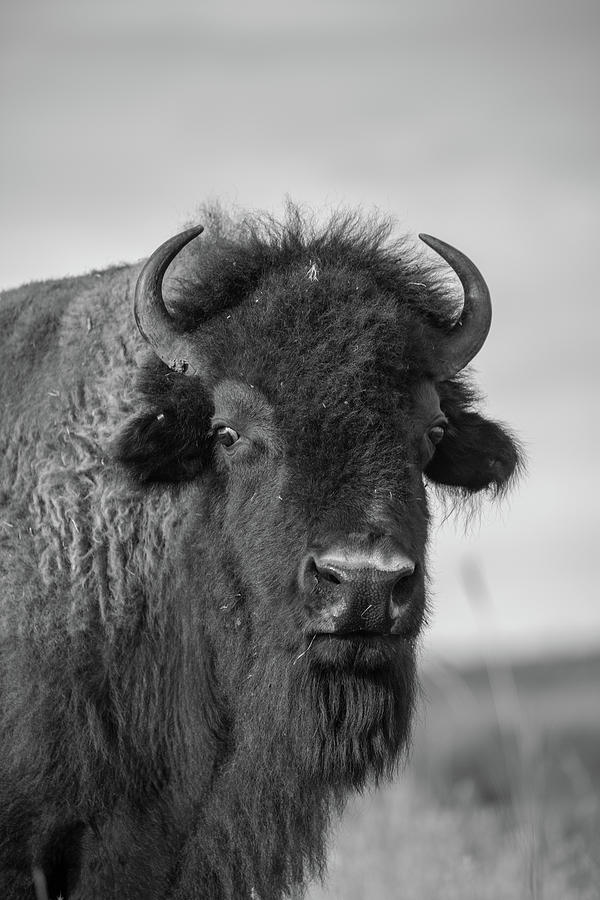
{"x": 39, "y": 883}
{"x": 516, "y": 732}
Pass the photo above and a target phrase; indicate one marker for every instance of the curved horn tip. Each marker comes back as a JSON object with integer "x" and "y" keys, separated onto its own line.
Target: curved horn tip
{"x": 435, "y": 243}
{"x": 181, "y": 238}
{"x": 184, "y": 237}
{"x": 194, "y": 231}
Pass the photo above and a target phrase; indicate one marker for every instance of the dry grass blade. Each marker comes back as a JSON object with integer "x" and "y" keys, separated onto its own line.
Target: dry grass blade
{"x": 39, "y": 883}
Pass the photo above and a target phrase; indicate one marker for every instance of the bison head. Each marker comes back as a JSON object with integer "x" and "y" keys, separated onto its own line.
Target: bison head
{"x": 303, "y": 388}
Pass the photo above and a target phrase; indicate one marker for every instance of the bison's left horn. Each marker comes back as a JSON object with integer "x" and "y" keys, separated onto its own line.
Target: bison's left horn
{"x": 155, "y": 323}
{"x": 467, "y": 337}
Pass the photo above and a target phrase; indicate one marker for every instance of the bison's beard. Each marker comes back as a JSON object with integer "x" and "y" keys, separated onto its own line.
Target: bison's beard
{"x": 340, "y": 727}
{"x": 353, "y": 727}
{"x": 303, "y": 734}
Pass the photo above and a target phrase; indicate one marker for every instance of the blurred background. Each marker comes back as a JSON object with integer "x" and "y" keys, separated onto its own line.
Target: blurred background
{"x": 472, "y": 120}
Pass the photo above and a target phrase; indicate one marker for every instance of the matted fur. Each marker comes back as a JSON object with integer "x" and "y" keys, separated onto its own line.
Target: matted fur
{"x": 166, "y": 729}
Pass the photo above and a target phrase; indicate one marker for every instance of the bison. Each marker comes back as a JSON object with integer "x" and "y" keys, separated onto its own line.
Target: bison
{"x": 214, "y": 532}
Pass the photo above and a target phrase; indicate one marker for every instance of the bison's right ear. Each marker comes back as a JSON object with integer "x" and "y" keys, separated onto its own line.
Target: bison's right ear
{"x": 162, "y": 446}
{"x": 168, "y": 440}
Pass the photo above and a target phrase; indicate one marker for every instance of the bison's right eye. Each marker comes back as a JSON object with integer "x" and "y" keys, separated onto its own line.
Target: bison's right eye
{"x": 226, "y": 436}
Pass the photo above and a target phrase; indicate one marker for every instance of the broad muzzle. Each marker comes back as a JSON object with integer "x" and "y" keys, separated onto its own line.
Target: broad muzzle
{"x": 358, "y": 586}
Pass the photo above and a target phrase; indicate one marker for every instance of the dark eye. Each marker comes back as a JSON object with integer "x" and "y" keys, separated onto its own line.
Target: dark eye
{"x": 436, "y": 434}
{"x": 226, "y": 436}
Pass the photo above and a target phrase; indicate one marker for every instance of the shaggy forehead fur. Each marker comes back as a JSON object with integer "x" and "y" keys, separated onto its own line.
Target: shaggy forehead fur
{"x": 334, "y": 282}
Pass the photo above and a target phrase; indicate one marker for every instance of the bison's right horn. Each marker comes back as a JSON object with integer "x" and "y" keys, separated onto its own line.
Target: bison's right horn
{"x": 457, "y": 349}
{"x": 154, "y": 322}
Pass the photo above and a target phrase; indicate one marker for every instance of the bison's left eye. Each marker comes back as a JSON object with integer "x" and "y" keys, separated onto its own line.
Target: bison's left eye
{"x": 226, "y": 436}
{"x": 436, "y": 434}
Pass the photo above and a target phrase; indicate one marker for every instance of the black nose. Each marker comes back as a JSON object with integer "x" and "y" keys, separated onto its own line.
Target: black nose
{"x": 350, "y": 591}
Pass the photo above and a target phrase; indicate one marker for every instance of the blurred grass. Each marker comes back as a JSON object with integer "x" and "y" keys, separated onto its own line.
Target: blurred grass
{"x": 500, "y": 799}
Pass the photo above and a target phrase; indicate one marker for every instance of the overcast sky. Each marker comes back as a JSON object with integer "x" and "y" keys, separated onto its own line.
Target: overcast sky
{"x": 473, "y": 120}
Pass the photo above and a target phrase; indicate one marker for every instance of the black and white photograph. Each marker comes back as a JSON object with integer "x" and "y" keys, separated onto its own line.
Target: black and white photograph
{"x": 299, "y": 435}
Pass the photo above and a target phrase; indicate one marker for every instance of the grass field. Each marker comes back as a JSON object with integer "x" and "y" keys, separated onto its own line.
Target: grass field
{"x": 500, "y": 798}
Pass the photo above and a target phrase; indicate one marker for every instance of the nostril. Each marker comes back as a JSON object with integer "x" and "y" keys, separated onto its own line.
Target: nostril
{"x": 404, "y": 574}
{"x": 328, "y": 576}
{"x": 314, "y": 574}
{"x": 403, "y": 584}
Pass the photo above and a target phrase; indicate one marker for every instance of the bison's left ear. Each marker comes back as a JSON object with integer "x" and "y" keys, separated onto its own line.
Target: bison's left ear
{"x": 474, "y": 454}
